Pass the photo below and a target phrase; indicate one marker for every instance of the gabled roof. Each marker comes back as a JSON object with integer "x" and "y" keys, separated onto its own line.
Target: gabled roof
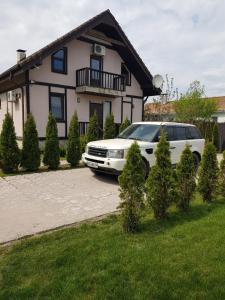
{"x": 105, "y": 22}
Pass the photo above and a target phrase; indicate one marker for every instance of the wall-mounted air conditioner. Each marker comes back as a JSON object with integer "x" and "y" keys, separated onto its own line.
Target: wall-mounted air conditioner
{"x": 98, "y": 49}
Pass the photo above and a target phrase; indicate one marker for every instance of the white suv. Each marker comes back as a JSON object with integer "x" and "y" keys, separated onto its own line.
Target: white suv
{"x": 109, "y": 156}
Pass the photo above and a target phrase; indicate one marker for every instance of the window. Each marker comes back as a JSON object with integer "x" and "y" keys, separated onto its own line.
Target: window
{"x": 59, "y": 61}
{"x": 180, "y": 133}
{"x": 193, "y": 133}
{"x": 140, "y": 132}
{"x": 56, "y": 106}
{"x": 126, "y": 73}
{"x": 169, "y": 132}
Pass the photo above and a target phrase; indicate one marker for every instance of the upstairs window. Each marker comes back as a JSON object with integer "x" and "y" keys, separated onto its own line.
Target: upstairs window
{"x": 59, "y": 61}
{"x": 56, "y": 106}
{"x": 126, "y": 74}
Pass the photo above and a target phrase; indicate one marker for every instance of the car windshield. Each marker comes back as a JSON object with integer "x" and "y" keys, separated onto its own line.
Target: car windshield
{"x": 140, "y": 132}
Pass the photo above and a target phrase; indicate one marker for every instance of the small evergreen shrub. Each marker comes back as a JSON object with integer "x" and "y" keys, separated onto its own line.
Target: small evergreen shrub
{"x": 51, "y": 152}
{"x": 73, "y": 143}
{"x": 93, "y": 131}
{"x": 124, "y": 125}
{"x": 62, "y": 151}
{"x": 30, "y": 158}
{"x": 131, "y": 183}
{"x": 185, "y": 179}
{"x": 222, "y": 177}
{"x": 215, "y": 136}
{"x": 109, "y": 128}
{"x": 83, "y": 143}
{"x": 10, "y": 153}
{"x": 208, "y": 173}
{"x": 160, "y": 185}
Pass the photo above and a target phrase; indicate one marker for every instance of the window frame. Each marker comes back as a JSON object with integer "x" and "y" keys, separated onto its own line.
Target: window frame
{"x": 64, "y": 60}
{"x": 125, "y": 66}
{"x": 62, "y": 98}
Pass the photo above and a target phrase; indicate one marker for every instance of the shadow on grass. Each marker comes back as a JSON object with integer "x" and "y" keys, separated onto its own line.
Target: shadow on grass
{"x": 177, "y": 217}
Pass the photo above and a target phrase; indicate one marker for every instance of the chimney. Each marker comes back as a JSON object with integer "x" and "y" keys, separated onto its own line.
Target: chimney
{"x": 21, "y": 55}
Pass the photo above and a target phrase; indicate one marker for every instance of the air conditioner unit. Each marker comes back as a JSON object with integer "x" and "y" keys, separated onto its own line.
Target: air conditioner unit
{"x": 12, "y": 96}
{"x": 98, "y": 50}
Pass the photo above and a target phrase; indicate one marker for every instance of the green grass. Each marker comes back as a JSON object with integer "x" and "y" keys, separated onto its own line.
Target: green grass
{"x": 181, "y": 258}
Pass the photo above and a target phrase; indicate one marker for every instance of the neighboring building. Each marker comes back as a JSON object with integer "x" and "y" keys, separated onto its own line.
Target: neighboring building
{"x": 92, "y": 68}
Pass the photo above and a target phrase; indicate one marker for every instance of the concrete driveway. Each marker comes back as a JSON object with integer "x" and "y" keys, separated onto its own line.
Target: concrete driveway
{"x": 36, "y": 202}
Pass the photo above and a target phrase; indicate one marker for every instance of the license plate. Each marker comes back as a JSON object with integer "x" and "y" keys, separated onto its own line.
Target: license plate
{"x": 92, "y": 164}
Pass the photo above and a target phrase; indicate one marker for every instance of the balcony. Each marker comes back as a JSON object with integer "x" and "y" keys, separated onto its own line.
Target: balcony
{"x": 90, "y": 81}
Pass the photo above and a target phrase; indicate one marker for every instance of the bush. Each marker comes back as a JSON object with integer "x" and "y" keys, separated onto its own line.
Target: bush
{"x": 62, "y": 151}
{"x": 215, "y": 136}
{"x": 30, "y": 159}
{"x": 222, "y": 177}
{"x": 208, "y": 173}
{"x": 124, "y": 125}
{"x": 93, "y": 132}
{"x": 83, "y": 143}
{"x": 10, "y": 153}
{"x": 185, "y": 174}
{"x": 73, "y": 143}
{"x": 131, "y": 183}
{"x": 51, "y": 152}
{"x": 109, "y": 128}
{"x": 160, "y": 185}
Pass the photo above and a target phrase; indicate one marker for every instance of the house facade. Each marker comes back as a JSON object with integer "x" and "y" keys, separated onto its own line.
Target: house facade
{"x": 93, "y": 68}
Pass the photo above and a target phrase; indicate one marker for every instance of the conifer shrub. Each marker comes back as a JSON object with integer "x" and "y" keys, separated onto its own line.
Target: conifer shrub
{"x": 160, "y": 185}
{"x": 208, "y": 173}
{"x": 93, "y": 131}
{"x": 30, "y": 158}
{"x": 131, "y": 183}
{"x": 109, "y": 127}
{"x": 10, "y": 153}
{"x": 215, "y": 136}
{"x": 83, "y": 143}
{"x": 124, "y": 125}
{"x": 185, "y": 179}
{"x": 51, "y": 151}
{"x": 222, "y": 177}
{"x": 73, "y": 143}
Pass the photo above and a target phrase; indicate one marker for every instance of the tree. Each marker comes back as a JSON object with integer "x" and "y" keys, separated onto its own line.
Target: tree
{"x": 93, "y": 131}
{"x": 10, "y": 153}
{"x": 30, "y": 158}
{"x": 192, "y": 106}
{"x": 124, "y": 125}
{"x": 73, "y": 144}
{"x": 51, "y": 152}
{"x": 185, "y": 179}
{"x": 208, "y": 174}
{"x": 222, "y": 177}
{"x": 109, "y": 128}
{"x": 160, "y": 185}
{"x": 131, "y": 183}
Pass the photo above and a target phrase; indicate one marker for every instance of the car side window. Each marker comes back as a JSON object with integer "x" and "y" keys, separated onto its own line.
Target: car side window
{"x": 169, "y": 132}
{"x": 194, "y": 133}
{"x": 180, "y": 133}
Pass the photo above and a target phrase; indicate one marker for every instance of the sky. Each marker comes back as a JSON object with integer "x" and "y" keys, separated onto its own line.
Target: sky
{"x": 182, "y": 38}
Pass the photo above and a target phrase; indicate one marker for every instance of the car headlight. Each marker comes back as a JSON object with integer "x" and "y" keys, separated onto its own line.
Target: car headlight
{"x": 115, "y": 153}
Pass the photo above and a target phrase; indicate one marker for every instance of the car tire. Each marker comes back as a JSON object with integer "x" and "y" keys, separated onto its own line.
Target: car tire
{"x": 196, "y": 161}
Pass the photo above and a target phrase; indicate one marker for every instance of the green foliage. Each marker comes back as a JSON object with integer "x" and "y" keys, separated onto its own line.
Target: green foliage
{"x": 185, "y": 179}
{"x": 51, "y": 152}
{"x": 192, "y": 106}
{"x": 132, "y": 189}
{"x": 62, "y": 151}
{"x": 215, "y": 136}
{"x": 124, "y": 125}
{"x": 93, "y": 131}
{"x": 109, "y": 128}
{"x": 208, "y": 173}
{"x": 10, "y": 153}
{"x": 30, "y": 159}
{"x": 73, "y": 144}
{"x": 83, "y": 143}
{"x": 160, "y": 184}
{"x": 222, "y": 177}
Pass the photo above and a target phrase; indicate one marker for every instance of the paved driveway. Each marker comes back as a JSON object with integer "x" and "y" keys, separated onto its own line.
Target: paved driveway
{"x": 35, "y": 202}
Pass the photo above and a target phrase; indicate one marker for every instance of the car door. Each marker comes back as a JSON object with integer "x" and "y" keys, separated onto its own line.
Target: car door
{"x": 170, "y": 135}
{"x": 180, "y": 141}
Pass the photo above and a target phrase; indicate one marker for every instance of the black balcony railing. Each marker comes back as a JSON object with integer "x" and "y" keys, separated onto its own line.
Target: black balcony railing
{"x": 94, "y": 78}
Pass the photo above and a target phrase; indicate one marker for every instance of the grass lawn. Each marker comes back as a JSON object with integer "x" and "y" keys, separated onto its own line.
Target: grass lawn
{"x": 181, "y": 258}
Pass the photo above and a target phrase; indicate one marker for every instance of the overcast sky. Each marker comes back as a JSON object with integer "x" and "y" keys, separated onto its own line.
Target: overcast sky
{"x": 184, "y": 39}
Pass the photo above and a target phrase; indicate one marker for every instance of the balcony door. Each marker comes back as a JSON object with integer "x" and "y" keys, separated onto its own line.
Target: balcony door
{"x": 98, "y": 109}
{"x": 96, "y": 68}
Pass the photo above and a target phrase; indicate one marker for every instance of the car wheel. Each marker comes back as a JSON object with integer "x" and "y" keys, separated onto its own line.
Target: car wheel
{"x": 196, "y": 161}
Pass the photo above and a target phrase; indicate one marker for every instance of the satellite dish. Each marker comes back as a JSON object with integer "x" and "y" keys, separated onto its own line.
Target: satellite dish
{"x": 157, "y": 81}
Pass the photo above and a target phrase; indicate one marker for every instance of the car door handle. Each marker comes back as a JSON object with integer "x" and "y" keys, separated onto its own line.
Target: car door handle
{"x": 173, "y": 147}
